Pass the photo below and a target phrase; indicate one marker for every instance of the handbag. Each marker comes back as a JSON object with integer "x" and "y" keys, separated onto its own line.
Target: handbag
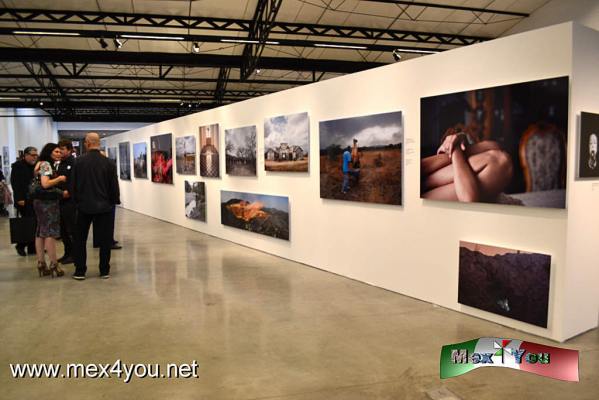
{"x": 37, "y": 192}
{"x": 22, "y": 230}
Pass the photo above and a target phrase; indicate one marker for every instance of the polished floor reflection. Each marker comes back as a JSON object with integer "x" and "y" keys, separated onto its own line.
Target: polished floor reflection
{"x": 260, "y": 327}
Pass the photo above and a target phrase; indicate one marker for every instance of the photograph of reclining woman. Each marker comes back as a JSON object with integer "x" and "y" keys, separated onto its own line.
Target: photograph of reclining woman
{"x": 505, "y": 145}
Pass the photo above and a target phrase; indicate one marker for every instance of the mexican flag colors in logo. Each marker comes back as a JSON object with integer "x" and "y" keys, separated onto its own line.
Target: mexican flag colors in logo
{"x": 549, "y": 361}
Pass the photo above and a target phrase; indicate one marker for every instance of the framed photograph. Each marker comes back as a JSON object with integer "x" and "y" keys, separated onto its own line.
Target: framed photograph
{"x": 259, "y": 213}
{"x": 140, "y": 160}
{"x": 361, "y": 158}
{"x": 195, "y": 200}
{"x": 507, "y": 282}
{"x": 287, "y": 143}
{"x": 240, "y": 151}
{"x": 186, "y": 155}
{"x": 209, "y": 151}
{"x": 125, "y": 161}
{"x": 588, "y": 167}
{"x": 503, "y": 145}
{"x": 162, "y": 158}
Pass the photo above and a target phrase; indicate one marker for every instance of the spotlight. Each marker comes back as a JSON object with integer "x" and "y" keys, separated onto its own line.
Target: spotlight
{"x": 396, "y": 55}
{"x": 258, "y": 71}
{"x": 118, "y": 43}
{"x": 103, "y": 43}
{"x": 41, "y": 103}
{"x": 195, "y": 47}
{"x": 189, "y": 105}
{"x": 182, "y": 104}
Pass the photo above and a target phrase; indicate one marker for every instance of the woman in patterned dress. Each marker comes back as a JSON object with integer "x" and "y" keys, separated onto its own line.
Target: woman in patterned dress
{"x": 47, "y": 210}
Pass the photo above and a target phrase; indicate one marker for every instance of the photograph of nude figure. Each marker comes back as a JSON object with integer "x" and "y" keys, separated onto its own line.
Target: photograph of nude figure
{"x": 503, "y": 145}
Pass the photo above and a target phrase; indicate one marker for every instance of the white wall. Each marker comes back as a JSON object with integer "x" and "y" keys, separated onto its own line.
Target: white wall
{"x": 581, "y": 286}
{"x": 585, "y": 12}
{"x": 411, "y": 249}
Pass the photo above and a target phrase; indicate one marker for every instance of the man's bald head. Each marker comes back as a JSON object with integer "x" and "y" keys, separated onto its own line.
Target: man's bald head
{"x": 92, "y": 140}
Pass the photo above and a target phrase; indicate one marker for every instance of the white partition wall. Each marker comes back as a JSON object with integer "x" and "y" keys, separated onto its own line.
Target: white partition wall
{"x": 412, "y": 249}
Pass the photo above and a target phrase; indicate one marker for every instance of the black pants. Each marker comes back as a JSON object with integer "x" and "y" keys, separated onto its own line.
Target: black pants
{"x": 103, "y": 226}
{"x": 67, "y": 226}
{"x": 26, "y": 211}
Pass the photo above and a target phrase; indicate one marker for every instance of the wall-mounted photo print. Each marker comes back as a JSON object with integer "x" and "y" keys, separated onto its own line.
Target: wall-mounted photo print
{"x": 195, "y": 200}
{"x": 162, "y": 158}
{"x": 140, "y": 160}
{"x": 507, "y": 282}
{"x": 287, "y": 143}
{"x": 186, "y": 155}
{"x": 504, "y": 145}
{"x": 589, "y": 135}
{"x": 209, "y": 151}
{"x": 125, "y": 161}
{"x": 240, "y": 151}
{"x": 111, "y": 154}
{"x": 259, "y": 213}
{"x": 361, "y": 158}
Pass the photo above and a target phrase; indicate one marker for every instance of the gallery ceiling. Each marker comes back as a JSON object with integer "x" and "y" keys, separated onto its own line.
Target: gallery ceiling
{"x": 151, "y": 60}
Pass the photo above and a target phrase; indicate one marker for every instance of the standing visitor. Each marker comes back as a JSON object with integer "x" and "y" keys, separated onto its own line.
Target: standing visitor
{"x": 21, "y": 176}
{"x": 67, "y": 207}
{"x": 95, "y": 192}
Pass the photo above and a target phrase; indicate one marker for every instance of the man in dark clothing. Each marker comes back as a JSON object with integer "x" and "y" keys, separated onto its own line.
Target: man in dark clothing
{"x": 95, "y": 192}
{"x": 21, "y": 176}
{"x": 67, "y": 206}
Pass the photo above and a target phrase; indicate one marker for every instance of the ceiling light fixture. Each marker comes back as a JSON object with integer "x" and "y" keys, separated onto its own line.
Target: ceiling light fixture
{"x": 246, "y": 41}
{"x": 396, "y": 55}
{"x": 340, "y": 46}
{"x": 416, "y": 51}
{"x": 44, "y": 33}
{"x": 195, "y": 47}
{"x": 41, "y": 103}
{"x": 118, "y": 43}
{"x": 153, "y": 37}
{"x": 103, "y": 43}
{"x": 258, "y": 71}
{"x": 9, "y": 98}
{"x": 166, "y": 100}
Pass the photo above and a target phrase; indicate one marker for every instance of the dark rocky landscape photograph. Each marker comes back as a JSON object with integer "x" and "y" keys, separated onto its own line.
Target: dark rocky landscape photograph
{"x": 503, "y": 281}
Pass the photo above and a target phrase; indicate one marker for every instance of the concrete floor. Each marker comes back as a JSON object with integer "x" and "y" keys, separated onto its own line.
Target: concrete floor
{"x": 259, "y": 326}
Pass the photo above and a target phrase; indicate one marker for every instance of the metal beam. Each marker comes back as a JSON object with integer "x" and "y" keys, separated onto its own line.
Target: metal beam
{"x": 157, "y": 79}
{"x": 453, "y": 7}
{"x": 10, "y": 54}
{"x": 221, "y": 85}
{"x": 135, "y": 91}
{"x": 90, "y": 18}
{"x": 264, "y": 17}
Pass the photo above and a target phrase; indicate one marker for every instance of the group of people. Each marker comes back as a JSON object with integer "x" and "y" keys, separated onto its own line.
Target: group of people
{"x": 66, "y": 195}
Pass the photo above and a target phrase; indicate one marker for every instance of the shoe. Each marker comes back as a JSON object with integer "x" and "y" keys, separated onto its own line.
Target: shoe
{"x": 116, "y": 247}
{"x": 66, "y": 260}
{"x": 105, "y": 276}
{"x": 78, "y": 277}
{"x": 55, "y": 269}
{"x": 21, "y": 251}
{"x": 43, "y": 269}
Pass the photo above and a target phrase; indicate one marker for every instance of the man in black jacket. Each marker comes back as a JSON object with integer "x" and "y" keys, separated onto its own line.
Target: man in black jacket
{"x": 67, "y": 206}
{"x": 95, "y": 191}
{"x": 21, "y": 176}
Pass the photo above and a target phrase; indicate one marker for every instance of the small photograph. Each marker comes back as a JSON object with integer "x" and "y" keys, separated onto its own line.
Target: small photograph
{"x": 186, "y": 155}
{"x": 209, "y": 151}
{"x": 111, "y": 154}
{"x": 507, "y": 282}
{"x": 240, "y": 151}
{"x": 195, "y": 200}
{"x": 361, "y": 158}
{"x": 502, "y": 145}
{"x": 287, "y": 143}
{"x": 140, "y": 160}
{"x": 162, "y": 158}
{"x": 124, "y": 161}
{"x": 259, "y": 213}
{"x": 589, "y": 134}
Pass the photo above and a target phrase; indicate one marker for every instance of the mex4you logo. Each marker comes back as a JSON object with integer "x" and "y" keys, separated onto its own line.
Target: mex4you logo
{"x": 549, "y": 361}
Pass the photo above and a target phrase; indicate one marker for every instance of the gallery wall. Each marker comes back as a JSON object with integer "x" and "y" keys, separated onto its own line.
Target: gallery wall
{"x": 411, "y": 249}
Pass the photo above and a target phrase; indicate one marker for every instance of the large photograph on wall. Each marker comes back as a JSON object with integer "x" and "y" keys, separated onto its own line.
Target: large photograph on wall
{"x": 125, "y": 161}
{"x": 140, "y": 160}
{"x": 162, "y": 158}
{"x": 259, "y": 213}
{"x": 195, "y": 200}
{"x": 240, "y": 151}
{"x": 209, "y": 151}
{"x": 111, "y": 154}
{"x": 587, "y": 154}
{"x": 507, "y": 282}
{"x": 361, "y": 158}
{"x": 185, "y": 148}
{"x": 504, "y": 144}
{"x": 287, "y": 143}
